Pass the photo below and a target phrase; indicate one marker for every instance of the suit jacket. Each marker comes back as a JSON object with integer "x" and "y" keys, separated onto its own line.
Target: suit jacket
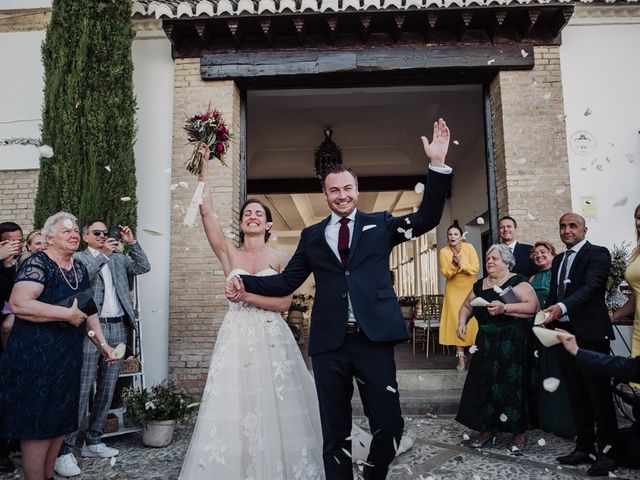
{"x": 625, "y": 369}
{"x": 366, "y": 278}
{"x": 121, "y": 267}
{"x": 524, "y": 263}
{"x": 585, "y": 292}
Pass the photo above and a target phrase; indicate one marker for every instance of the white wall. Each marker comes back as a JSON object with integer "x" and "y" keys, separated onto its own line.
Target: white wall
{"x": 23, "y": 4}
{"x": 600, "y": 67}
{"x": 153, "y": 84}
{"x": 21, "y": 84}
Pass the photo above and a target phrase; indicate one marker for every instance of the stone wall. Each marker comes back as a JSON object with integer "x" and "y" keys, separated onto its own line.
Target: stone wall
{"x": 25, "y": 20}
{"x": 530, "y": 146}
{"x": 197, "y": 303}
{"x": 18, "y": 192}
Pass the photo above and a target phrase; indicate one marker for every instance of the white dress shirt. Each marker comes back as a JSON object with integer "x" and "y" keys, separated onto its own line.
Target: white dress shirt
{"x": 331, "y": 235}
{"x": 576, "y": 248}
{"x": 110, "y": 305}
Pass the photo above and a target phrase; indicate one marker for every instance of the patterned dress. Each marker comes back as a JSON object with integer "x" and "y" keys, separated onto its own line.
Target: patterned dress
{"x": 40, "y": 369}
{"x": 494, "y": 397}
{"x": 259, "y": 417}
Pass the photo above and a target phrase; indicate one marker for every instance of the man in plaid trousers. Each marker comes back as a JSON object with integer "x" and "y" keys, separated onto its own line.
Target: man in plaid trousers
{"x": 109, "y": 273}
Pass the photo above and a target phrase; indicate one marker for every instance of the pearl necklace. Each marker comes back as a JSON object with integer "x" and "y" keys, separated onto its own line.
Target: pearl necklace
{"x": 75, "y": 274}
{"x": 492, "y": 284}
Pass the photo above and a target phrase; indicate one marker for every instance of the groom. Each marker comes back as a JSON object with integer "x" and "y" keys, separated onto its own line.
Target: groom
{"x": 356, "y": 318}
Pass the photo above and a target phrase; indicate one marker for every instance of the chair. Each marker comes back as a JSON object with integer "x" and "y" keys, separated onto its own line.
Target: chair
{"x": 432, "y": 310}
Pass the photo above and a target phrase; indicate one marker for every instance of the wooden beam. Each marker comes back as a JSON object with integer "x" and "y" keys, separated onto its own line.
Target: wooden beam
{"x": 243, "y": 65}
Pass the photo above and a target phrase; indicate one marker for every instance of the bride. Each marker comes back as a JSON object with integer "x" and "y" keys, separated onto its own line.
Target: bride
{"x": 259, "y": 416}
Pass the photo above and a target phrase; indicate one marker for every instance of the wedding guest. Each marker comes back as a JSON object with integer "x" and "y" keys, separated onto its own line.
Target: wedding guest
{"x": 44, "y": 350}
{"x": 494, "y": 397}
{"x": 459, "y": 265}
{"x": 508, "y": 233}
{"x": 550, "y": 410}
{"x": 34, "y": 243}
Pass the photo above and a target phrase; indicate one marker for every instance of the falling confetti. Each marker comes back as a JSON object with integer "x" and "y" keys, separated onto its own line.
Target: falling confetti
{"x": 524, "y": 53}
{"x": 112, "y": 461}
{"x": 551, "y": 384}
{"x": 67, "y": 223}
{"x": 491, "y": 61}
{"x": 592, "y": 457}
{"x": 456, "y": 142}
{"x": 562, "y": 116}
{"x": 183, "y": 184}
{"x": 535, "y": 353}
{"x": 125, "y": 199}
{"x": 621, "y": 202}
{"x": 542, "y": 442}
{"x": 91, "y": 334}
{"x": 107, "y": 168}
{"x": 346, "y": 452}
{"x": 359, "y": 381}
{"x": 503, "y": 418}
{"x": 530, "y": 216}
{"x": 631, "y": 157}
{"x": 45, "y": 151}
{"x": 519, "y": 161}
{"x": 560, "y": 190}
{"x": 464, "y": 234}
{"x": 465, "y": 436}
{"x": 407, "y": 220}
{"x": 336, "y": 459}
{"x": 400, "y": 230}
{"x": 151, "y": 232}
{"x": 408, "y": 234}
{"x": 546, "y": 96}
{"x": 174, "y": 186}
{"x": 395, "y": 444}
{"x": 419, "y": 188}
{"x": 391, "y": 389}
{"x": 480, "y": 221}
{"x": 167, "y": 170}
{"x": 606, "y": 449}
{"x": 587, "y": 112}
{"x": 473, "y": 349}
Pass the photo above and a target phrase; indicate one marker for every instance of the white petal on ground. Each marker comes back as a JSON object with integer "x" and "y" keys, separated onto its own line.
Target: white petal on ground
{"x": 476, "y": 477}
{"x": 419, "y": 188}
{"x": 465, "y": 436}
{"x": 112, "y": 461}
{"x": 520, "y": 161}
{"x": 621, "y": 202}
{"x": 587, "y": 112}
{"x": 503, "y": 417}
{"x": 480, "y": 221}
{"x": 456, "y": 142}
{"x": 612, "y": 475}
{"x": 107, "y": 168}
{"x": 151, "y": 232}
{"x": 391, "y": 389}
{"x": 524, "y": 53}
{"x": 473, "y": 349}
{"x": 542, "y": 442}
{"x": 491, "y": 61}
{"x": 45, "y": 151}
{"x": 125, "y": 199}
{"x": 514, "y": 448}
{"x": 550, "y": 384}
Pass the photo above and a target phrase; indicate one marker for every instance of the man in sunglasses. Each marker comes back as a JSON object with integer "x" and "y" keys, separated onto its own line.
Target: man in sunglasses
{"x": 109, "y": 273}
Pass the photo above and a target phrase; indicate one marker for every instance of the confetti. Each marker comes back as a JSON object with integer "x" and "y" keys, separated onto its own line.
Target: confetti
{"x": 183, "y": 184}
{"x": 560, "y": 190}
{"x": 346, "y": 452}
{"x": 174, "y": 186}
{"x": 519, "y": 161}
{"x": 91, "y": 334}
{"x": 535, "y": 353}
{"x": 408, "y": 234}
{"x": 612, "y": 475}
{"x": 45, "y": 151}
{"x": 503, "y": 417}
{"x": 592, "y": 457}
{"x": 491, "y": 61}
{"x": 547, "y": 96}
{"x": 480, "y": 221}
{"x": 112, "y": 461}
{"x": 542, "y": 442}
{"x": 473, "y": 349}
{"x": 530, "y": 217}
{"x": 606, "y": 449}
{"x": 587, "y": 112}
{"x": 514, "y": 448}
{"x": 562, "y": 116}
{"x": 551, "y": 384}
{"x": 407, "y": 220}
{"x": 167, "y": 170}
{"x": 400, "y": 230}
{"x": 151, "y": 232}
{"x": 456, "y": 142}
{"x": 621, "y": 202}
{"x": 599, "y": 167}
{"x": 125, "y": 199}
{"x": 465, "y": 436}
{"x": 359, "y": 381}
{"x": 67, "y": 223}
{"x": 419, "y": 188}
{"x": 464, "y": 234}
{"x": 631, "y": 157}
{"x": 107, "y": 168}
{"x": 524, "y": 53}
{"x": 391, "y": 389}
{"x": 336, "y": 459}
{"x": 395, "y": 444}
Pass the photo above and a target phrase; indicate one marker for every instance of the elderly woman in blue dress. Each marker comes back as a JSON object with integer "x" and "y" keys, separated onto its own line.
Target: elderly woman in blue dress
{"x": 40, "y": 368}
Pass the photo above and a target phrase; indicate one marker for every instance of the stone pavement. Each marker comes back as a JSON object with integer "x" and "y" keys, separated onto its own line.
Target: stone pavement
{"x": 439, "y": 453}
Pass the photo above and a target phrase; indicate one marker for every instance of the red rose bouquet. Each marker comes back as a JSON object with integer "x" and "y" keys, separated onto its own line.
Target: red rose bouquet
{"x": 208, "y": 129}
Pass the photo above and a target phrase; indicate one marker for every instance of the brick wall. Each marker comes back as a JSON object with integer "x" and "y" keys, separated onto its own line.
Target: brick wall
{"x": 532, "y": 170}
{"x": 197, "y": 303}
{"x": 18, "y": 193}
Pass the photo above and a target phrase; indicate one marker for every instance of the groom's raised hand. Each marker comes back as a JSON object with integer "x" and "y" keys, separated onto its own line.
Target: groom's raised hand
{"x": 439, "y": 146}
{"x": 234, "y": 289}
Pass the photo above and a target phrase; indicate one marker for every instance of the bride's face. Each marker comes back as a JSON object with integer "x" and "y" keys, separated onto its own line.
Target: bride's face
{"x": 254, "y": 220}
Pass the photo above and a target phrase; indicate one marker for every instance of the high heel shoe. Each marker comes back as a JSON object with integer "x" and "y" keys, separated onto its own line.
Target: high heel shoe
{"x": 482, "y": 439}
{"x": 461, "y": 367}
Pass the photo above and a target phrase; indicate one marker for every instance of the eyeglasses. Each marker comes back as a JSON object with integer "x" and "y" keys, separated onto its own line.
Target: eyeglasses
{"x": 98, "y": 233}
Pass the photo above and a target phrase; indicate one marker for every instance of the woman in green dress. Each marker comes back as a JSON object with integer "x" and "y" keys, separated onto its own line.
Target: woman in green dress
{"x": 494, "y": 397}
{"x": 551, "y": 411}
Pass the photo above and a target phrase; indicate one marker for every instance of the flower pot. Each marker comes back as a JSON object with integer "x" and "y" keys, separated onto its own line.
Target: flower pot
{"x": 158, "y": 433}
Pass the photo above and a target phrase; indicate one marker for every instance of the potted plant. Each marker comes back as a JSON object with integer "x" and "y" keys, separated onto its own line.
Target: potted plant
{"x": 619, "y": 260}
{"x": 297, "y": 308}
{"x": 158, "y": 409}
{"x": 408, "y": 306}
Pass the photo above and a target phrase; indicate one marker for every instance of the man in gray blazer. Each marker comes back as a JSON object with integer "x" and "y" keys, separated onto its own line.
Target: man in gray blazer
{"x": 109, "y": 273}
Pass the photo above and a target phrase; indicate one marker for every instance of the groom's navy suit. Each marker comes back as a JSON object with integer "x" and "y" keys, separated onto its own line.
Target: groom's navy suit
{"x": 367, "y": 354}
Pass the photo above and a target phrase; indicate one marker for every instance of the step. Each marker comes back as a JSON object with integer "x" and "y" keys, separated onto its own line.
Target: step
{"x": 420, "y": 402}
{"x": 430, "y": 379}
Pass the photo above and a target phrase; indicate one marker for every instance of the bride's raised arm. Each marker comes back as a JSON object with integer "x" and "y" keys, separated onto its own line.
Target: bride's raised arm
{"x": 221, "y": 245}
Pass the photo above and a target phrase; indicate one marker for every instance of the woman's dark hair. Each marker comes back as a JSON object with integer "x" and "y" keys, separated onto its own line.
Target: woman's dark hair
{"x": 456, "y": 226}
{"x": 267, "y": 213}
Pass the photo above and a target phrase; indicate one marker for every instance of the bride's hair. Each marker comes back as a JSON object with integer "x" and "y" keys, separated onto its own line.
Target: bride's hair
{"x": 267, "y": 213}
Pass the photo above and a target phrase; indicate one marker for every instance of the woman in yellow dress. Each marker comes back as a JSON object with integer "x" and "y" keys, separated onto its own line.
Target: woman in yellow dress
{"x": 459, "y": 265}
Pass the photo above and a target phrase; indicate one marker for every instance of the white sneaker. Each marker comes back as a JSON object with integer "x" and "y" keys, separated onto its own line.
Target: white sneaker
{"x": 67, "y": 466}
{"x": 98, "y": 450}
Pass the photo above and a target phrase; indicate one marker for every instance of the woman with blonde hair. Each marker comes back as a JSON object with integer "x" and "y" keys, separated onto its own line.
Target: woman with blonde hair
{"x": 459, "y": 265}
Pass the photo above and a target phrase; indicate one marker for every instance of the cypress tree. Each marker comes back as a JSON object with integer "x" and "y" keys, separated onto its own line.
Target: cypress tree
{"x": 88, "y": 113}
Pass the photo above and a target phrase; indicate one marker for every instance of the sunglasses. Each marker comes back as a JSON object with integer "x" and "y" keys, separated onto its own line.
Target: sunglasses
{"x": 98, "y": 233}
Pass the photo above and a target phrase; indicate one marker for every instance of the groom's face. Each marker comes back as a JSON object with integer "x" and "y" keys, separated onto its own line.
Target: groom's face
{"x": 341, "y": 190}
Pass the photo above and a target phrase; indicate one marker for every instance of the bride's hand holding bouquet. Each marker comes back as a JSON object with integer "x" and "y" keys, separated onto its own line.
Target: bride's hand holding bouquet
{"x": 206, "y": 129}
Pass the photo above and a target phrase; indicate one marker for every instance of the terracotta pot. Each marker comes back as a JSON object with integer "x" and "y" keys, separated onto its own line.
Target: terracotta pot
{"x": 158, "y": 433}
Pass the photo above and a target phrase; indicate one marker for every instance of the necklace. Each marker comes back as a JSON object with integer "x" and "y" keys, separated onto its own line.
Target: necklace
{"x": 75, "y": 274}
{"x": 492, "y": 283}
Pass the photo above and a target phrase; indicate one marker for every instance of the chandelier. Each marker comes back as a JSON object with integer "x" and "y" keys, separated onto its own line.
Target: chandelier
{"x": 327, "y": 153}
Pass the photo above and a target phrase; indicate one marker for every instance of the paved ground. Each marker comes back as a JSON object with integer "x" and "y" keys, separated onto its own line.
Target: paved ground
{"x": 439, "y": 453}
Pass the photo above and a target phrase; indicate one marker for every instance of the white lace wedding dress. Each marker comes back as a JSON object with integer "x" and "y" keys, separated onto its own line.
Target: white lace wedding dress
{"x": 259, "y": 417}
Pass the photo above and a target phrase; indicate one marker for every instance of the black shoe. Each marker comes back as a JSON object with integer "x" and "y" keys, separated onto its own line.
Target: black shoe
{"x": 576, "y": 458}
{"x": 602, "y": 467}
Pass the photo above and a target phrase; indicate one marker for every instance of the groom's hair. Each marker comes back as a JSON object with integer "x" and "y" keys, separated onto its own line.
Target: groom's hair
{"x": 336, "y": 168}
{"x": 267, "y": 212}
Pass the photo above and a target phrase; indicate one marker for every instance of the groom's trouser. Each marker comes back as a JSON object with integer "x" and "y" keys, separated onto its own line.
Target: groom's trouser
{"x": 373, "y": 366}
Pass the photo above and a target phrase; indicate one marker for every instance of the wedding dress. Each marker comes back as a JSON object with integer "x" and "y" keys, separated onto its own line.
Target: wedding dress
{"x": 259, "y": 416}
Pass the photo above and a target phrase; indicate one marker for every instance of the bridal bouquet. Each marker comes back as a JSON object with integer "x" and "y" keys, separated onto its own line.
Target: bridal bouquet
{"x": 207, "y": 128}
